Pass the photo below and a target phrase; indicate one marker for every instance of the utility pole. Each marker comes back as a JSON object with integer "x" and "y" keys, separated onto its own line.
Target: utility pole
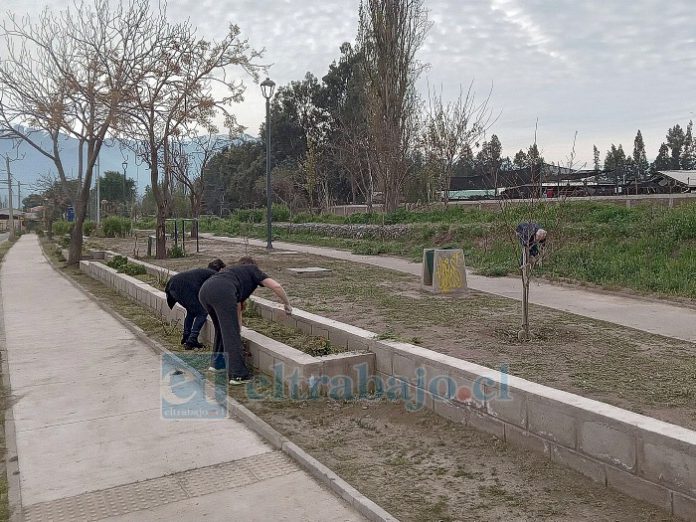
{"x": 10, "y": 203}
{"x": 19, "y": 195}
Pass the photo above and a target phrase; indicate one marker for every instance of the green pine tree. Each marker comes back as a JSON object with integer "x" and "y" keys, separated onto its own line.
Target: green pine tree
{"x": 663, "y": 160}
{"x": 640, "y": 160}
{"x": 595, "y": 156}
{"x": 675, "y": 142}
{"x": 688, "y": 156}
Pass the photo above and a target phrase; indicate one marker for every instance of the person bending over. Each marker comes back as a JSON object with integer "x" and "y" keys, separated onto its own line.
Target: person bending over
{"x": 223, "y": 296}
{"x": 183, "y": 288}
{"x": 532, "y": 239}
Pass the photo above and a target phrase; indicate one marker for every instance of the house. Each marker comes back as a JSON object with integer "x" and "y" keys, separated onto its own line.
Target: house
{"x": 18, "y": 216}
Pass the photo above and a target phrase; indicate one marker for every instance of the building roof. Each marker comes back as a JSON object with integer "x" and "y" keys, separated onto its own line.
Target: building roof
{"x": 5, "y": 212}
{"x": 686, "y": 177}
{"x": 520, "y": 177}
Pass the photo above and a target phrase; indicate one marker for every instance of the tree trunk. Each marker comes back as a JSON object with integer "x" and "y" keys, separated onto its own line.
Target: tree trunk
{"x": 444, "y": 188}
{"x": 523, "y": 334}
{"x": 75, "y": 250}
{"x": 161, "y": 232}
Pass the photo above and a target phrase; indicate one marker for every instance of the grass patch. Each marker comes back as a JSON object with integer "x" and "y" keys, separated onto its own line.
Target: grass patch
{"x": 155, "y": 281}
{"x": 293, "y": 337}
{"x": 645, "y": 248}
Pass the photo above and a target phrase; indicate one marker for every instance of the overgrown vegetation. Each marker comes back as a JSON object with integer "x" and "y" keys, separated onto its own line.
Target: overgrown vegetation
{"x": 644, "y": 248}
{"x": 310, "y": 344}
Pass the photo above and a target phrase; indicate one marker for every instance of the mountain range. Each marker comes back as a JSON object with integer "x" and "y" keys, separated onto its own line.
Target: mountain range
{"x": 30, "y": 165}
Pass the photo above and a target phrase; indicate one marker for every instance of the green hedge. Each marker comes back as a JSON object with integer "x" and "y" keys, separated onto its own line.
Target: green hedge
{"x": 62, "y": 227}
{"x": 115, "y": 226}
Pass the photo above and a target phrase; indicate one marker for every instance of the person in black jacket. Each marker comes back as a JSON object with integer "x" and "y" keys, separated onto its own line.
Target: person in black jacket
{"x": 183, "y": 288}
{"x": 223, "y": 296}
{"x": 531, "y": 237}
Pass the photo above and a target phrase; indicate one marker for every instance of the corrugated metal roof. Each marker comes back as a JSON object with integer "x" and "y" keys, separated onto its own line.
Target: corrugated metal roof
{"x": 687, "y": 177}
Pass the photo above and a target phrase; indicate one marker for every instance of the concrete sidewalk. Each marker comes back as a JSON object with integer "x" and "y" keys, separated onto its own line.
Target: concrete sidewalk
{"x": 91, "y": 442}
{"x": 646, "y": 315}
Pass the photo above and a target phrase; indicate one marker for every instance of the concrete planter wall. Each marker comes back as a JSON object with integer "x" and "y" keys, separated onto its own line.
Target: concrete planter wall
{"x": 641, "y": 456}
{"x": 301, "y": 373}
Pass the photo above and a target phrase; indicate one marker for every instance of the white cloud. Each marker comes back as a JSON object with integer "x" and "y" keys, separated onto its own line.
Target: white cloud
{"x": 605, "y": 68}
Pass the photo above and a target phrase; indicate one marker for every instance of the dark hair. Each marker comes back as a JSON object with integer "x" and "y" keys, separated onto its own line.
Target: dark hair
{"x": 216, "y": 264}
{"x": 246, "y": 260}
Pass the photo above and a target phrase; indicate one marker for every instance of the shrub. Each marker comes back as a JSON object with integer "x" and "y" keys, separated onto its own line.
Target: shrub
{"x": 368, "y": 248}
{"x": 62, "y": 227}
{"x": 64, "y": 241}
{"x": 146, "y": 223}
{"x": 252, "y": 215}
{"x": 88, "y": 227}
{"x": 280, "y": 213}
{"x": 40, "y": 232}
{"x": 117, "y": 262}
{"x": 132, "y": 269}
{"x": 115, "y": 226}
{"x": 176, "y": 251}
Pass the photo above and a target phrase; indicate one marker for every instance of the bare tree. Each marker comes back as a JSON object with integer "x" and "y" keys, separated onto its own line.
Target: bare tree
{"x": 531, "y": 207}
{"x": 450, "y": 128}
{"x": 178, "y": 95}
{"x": 390, "y": 32}
{"x": 189, "y": 167}
{"x": 69, "y": 73}
{"x": 352, "y": 150}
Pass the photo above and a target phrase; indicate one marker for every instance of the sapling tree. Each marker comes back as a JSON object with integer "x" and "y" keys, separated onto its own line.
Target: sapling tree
{"x": 524, "y": 202}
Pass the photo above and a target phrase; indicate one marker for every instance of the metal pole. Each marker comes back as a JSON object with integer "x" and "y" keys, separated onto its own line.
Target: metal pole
{"x": 98, "y": 193}
{"x": 9, "y": 188}
{"x": 269, "y": 195}
{"x": 124, "y": 191}
{"x": 19, "y": 195}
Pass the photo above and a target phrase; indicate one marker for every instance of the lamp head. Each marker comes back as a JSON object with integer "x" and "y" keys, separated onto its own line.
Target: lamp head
{"x": 267, "y": 88}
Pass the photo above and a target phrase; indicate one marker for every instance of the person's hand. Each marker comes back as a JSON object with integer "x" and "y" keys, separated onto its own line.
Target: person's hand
{"x": 288, "y": 309}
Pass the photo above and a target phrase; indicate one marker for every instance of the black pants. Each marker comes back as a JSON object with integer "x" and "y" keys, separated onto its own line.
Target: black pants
{"x": 219, "y": 297}
{"x": 195, "y": 313}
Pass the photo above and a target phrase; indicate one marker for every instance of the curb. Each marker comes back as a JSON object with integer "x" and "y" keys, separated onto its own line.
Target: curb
{"x": 14, "y": 487}
{"x": 362, "y": 504}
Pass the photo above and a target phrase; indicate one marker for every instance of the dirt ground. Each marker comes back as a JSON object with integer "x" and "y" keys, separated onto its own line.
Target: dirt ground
{"x": 421, "y": 467}
{"x": 644, "y": 373}
{"x": 418, "y": 466}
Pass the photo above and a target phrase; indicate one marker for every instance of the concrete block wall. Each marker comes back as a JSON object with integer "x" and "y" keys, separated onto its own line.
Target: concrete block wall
{"x": 273, "y": 358}
{"x": 638, "y": 455}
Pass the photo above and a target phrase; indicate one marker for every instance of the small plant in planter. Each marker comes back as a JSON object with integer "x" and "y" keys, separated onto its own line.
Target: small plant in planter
{"x": 132, "y": 269}
{"x": 176, "y": 251}
{"x": 117, "y": 262}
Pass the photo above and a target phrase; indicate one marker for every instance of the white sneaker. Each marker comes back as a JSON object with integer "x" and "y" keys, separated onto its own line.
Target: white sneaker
{"x": 216, "y": 370}
{"x": 236, "y": 381}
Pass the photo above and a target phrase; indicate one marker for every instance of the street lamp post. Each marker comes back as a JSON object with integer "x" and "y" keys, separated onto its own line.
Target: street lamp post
{"x": 125, "y": 166}
{"x": 267, "y": 88}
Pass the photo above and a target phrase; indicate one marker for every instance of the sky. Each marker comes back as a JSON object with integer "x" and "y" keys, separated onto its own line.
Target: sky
{"x": 601, "y": 68}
